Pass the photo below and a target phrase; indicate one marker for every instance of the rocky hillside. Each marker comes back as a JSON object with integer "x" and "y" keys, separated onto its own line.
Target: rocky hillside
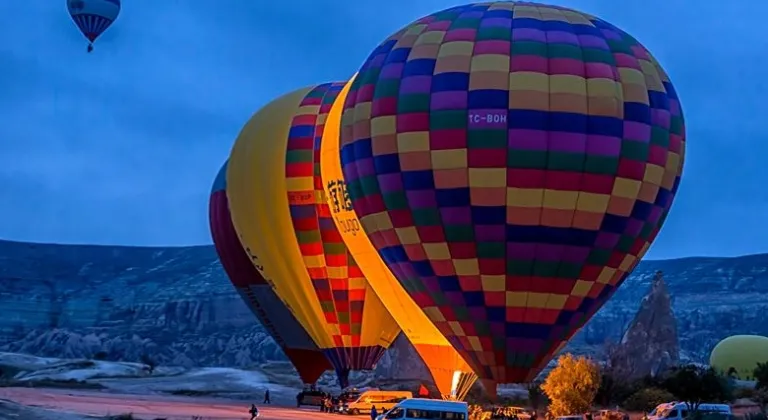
{"x": 176, "y": 305}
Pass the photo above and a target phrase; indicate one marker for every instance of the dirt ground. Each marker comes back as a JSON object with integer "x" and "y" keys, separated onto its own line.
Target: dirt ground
{"x": 95, "y": 403}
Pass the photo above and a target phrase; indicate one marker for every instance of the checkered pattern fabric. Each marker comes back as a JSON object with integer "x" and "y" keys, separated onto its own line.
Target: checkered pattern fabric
{"x": 338, "y": 283}
{"x": 512, "y": 162}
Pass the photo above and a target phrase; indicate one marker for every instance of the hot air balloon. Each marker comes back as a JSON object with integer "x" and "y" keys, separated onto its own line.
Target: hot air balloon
{"x": 739, "y": 355}
{"x": 279, "y": 322}
{"x": 276, "y": 213}
{"x": 451, "y": 374}
{"x": 93, "y": 17}
{"x": 511, "y": 163}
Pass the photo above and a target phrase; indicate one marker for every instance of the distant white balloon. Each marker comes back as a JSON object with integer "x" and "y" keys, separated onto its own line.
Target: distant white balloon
{"x": 93, "y": 17}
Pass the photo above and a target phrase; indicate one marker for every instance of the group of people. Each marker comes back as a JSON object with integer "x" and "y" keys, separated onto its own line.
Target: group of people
{"x": 328, "y": 402}
{"x": 509, "y": 413}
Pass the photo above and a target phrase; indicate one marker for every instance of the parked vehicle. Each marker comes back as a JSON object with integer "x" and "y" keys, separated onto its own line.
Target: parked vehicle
{"x": 426, "y": 409}
{"x": 345, "y": 398}
{"x": 680, "y": 410}
{"x": 382, "y": 400}
{"x": 310, "y": 397}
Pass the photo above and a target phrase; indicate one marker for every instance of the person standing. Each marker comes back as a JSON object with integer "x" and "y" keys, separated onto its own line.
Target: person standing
{"x": 266, "y": 397}
{"x": 254, "y": 412}
{"x": 374, "y": 413}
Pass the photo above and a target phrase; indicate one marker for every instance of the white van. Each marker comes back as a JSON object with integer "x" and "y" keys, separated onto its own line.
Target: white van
{"x": 382, "y": 400}
{"x": 679, "y": 410}
{"x": 423, "y": 408}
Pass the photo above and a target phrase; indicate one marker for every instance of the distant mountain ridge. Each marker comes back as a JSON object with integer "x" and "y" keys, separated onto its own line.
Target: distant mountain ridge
{"x": 175, "y": 304}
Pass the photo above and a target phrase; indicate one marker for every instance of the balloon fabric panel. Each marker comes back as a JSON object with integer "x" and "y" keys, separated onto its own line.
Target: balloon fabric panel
{"x": 301, "y": 351}
{"x": 303, "y": 203}
{"x": 438, "y": 355}
{"x": 511, "y": 162}
{"x": 360, "y": 326}
{"x": 256, "y": 191}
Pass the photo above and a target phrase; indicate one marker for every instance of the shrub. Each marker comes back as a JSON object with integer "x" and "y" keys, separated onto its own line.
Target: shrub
{"x": 536, "y": 397}
{"x": 761, "y": 375}
{"x": 614, "y": 390}
{"x": 647, "y": 399}
{"x": 761, "y": 398}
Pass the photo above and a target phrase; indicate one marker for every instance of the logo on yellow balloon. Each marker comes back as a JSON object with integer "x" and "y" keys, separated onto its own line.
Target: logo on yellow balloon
{"x": 340, "y": 202}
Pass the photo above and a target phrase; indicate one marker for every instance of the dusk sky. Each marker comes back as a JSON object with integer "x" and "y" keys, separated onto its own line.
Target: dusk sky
{"x": 121, "y": 146}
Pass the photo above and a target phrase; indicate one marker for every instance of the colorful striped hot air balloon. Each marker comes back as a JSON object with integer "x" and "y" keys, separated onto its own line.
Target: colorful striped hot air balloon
{"x": 512, "y": 163}
{"x": 298, "y": 347}
{"x": 451, "y": 374}
{"x": 280, "y": 216}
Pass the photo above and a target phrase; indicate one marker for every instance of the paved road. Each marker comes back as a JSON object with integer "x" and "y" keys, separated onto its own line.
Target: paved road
{"x": 152, "y": 406}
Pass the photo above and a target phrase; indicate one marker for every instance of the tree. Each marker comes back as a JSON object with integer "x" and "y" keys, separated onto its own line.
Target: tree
{"x": 535, "y": 395}
{"x": 614, "y": 385}
{"x": 647, "y": 399}
{"x": 149, "y": 362}
{"x": 613, "y": 389}
{"x": 695, "y": 385}
{"x": 760, "y": 397}
{"x": 571, "y": 386}
{"x": 761, "y": 375}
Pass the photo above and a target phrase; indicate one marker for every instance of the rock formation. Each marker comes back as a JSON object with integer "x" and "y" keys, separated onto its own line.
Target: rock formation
{"x": 650, "y": 344}
{"x": 176, "y": 305}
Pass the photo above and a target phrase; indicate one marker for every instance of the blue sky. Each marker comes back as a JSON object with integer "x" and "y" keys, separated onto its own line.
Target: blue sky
{"x": 121, "y": 146}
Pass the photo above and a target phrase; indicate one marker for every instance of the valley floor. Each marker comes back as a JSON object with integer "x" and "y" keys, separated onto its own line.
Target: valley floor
{"x": 68, "y": 404}
{"x": 38, "y": 388}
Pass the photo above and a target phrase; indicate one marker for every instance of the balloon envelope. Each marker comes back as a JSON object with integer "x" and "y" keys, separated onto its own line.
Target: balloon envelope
{"x": 442, "y": 360}
{"x": 511, "y": 162}
{"x": 276, "y": 217}
{"x": 739, "y": 355}
{"x": 93, "y": 17}
{"x": 302, "y": 352}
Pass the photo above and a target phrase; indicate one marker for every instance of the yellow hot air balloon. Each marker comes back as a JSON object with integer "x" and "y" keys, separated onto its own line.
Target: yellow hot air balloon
{"x": 739, "y": 355}
{"x": 274, "y": 212}
{"x": 452, "y": 376}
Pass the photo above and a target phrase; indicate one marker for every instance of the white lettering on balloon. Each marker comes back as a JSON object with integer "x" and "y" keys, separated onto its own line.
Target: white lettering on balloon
{"x": 494, "y": 118}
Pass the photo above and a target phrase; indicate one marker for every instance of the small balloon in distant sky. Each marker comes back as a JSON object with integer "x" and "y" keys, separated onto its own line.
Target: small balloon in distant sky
{"x": 93, "y": 17}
